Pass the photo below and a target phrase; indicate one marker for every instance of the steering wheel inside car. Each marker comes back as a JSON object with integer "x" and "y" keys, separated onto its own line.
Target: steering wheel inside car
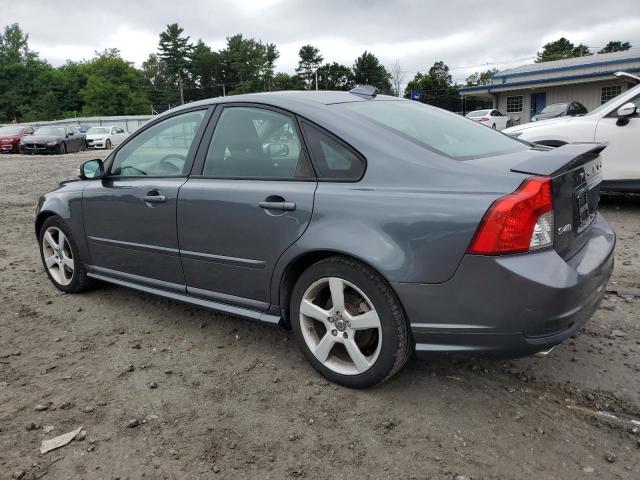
{"x": 165, "y": 167}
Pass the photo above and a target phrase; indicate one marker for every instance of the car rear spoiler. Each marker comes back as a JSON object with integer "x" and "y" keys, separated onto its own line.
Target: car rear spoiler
{"x": 561, "y": 159}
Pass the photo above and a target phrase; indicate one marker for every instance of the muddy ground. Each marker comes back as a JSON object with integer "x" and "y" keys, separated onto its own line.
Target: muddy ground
{"x": 222, "y": 397}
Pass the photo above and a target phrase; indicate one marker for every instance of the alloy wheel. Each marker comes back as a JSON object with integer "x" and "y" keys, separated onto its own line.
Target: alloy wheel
{"x": 340, "y": 326}
{"x": 58, "y": 256}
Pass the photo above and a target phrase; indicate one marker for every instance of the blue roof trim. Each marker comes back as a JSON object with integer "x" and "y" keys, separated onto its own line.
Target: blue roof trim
{"x": 504, "y": 86}
{"x": 568, "y": 67}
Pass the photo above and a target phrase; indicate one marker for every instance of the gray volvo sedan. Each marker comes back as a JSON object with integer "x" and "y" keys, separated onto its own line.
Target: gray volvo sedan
{"x": 371, "y": 226}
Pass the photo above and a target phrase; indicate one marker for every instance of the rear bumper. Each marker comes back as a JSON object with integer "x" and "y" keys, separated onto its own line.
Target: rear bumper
{"x": 512, "y": 305}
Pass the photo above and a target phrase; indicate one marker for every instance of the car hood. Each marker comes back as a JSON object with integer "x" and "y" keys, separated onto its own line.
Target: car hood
{"x": 539, "y": 123}
{"x": 42, "y": 139}
{"x": 93, "y": 136}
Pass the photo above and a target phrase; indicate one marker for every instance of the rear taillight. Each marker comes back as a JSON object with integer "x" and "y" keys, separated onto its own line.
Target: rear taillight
{"x": 483, "y": 119}
{"x": 519, "y": 222}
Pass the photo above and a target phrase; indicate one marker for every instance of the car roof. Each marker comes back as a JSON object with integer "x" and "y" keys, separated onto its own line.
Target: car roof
{"x": 292, "y": 100}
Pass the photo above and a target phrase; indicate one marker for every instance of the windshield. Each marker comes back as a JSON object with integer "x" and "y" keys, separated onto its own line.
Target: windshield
{"x": 436, "y": 129}
{"x": 554, "y": 108}
{"x": 58, "y": 131}
{"x": 478, "y": 113}
{"x": 98, "y": 130}
{"x": 11, "y": 130}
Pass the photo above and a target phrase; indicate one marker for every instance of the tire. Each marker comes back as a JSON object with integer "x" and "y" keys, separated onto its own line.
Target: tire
{"x": 83, "y": 146}
{"x": 62, "y": 149}
{"x": 493, "y": 126}
{"x": 107, "y": 144}
{"x": 59, "y": 273}
{"x": 382, "y": 348}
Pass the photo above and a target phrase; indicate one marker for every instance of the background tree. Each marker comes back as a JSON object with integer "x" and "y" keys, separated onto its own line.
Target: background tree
{"x": 284, "y": 81}
{"x": 615, "y": 46}
{"x": 247, "y": 64}
{"x": 159, "y": 83}
{"x": 335, "y": 76}
{"x": 397, "y": 77}
{"x": 114, "y": 87}
{"x": 480, "y": 78}
{"x": 310, "y": 60}
{"x": 560, "y": 49}
{"x": 204, "y": 67}
{"x": 175, "y": 50}
{"x": 367, "y": 70}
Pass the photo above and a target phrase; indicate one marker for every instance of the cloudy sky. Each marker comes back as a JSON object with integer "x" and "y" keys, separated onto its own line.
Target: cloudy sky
{"x": 468, "y": 36}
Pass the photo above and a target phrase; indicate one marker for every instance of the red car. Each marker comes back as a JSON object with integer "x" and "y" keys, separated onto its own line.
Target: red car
{"x": 11, "y": 135}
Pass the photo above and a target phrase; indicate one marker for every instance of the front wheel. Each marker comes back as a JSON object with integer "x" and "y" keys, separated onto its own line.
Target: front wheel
{"x": 62, "y": 149}
{"x": 349, "y": 323}
{"x": 60, "y": 258}
{"x": 107, "y": 145}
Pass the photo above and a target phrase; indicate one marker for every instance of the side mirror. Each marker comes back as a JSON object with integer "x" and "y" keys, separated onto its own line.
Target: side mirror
{"x": 627, "y": 110}
{"x": 92, "y": 169}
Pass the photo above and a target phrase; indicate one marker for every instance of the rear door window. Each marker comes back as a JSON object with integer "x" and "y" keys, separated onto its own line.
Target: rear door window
{"x": 333, "y": 159}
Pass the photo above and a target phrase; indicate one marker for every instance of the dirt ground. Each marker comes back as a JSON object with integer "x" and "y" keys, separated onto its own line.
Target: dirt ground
{"x": 221, "y": 397}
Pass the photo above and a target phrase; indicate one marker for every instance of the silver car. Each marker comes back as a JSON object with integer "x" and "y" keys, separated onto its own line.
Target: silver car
{"x": 371, "y": 226}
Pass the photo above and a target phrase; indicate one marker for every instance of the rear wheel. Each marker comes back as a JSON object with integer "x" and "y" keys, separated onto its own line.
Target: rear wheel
{"x": 60, "y": 257}
{"x": 493, "y": 126}
{"x": 349, "y": 323}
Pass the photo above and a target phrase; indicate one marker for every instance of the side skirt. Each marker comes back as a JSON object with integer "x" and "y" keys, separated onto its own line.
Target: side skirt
{"x": 220, "y": 307}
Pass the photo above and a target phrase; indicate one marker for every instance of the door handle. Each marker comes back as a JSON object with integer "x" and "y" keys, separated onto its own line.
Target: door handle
{"x": 284, "y": 206}
{"x": 154, "y": 198}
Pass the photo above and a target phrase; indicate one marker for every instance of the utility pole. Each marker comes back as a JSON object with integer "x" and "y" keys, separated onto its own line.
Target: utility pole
{"x": 316, "y": 80}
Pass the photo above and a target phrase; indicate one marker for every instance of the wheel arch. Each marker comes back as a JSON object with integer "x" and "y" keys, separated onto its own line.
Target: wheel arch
{"x": 297, "y": 265}
{"x": 41, "y": 218}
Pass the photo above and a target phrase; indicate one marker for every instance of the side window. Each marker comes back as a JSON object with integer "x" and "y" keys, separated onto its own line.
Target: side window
{"x": 160, "y": 150}
{"x": 253, "y": 142}
{"x": 332, "y": 158}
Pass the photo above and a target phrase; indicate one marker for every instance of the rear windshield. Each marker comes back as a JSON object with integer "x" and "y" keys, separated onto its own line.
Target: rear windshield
{"x": 59, "y": 131}
{"x": 478, "y": 113}
{"x": 438, "y": 130}
{"x": 98, "y": 130}
{"x": 554, "y": 108}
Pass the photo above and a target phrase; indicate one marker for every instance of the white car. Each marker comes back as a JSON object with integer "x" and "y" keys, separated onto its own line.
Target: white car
{"x": 616, "y": 122}
{"x": 105, "y": 137}
{"x": 490, "y": 117}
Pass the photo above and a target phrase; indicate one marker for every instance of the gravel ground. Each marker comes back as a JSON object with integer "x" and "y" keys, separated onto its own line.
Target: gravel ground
{"x": 217, "y": 396}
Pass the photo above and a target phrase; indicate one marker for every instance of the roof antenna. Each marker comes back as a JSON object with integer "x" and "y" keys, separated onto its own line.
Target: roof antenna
{"x": 368, "y": 92}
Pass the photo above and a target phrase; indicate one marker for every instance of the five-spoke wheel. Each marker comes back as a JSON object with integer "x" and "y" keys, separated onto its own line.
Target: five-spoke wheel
{"x": 60, "y": 256}
{"x": 349, "y": 323}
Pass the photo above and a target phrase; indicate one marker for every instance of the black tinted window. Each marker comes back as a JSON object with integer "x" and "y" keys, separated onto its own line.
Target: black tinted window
{"x": 254, "y": 143}
{"x": 333, "y": 160}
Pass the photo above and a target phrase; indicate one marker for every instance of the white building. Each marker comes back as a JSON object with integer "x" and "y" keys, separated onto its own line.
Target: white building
{"x": 522, "y": 92}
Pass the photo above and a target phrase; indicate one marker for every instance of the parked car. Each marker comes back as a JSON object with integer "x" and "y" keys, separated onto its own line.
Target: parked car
{"x": 565, "y": 109}
{"x": 105, "y": 137}
{"x": 11, "y": 135}
{"x": 490, "y": 118}
{"x": 53, "y": 140}
{"x": 368, "y": 239}
{"x": 83, "y": 137}
{"x": 616, "y": 122}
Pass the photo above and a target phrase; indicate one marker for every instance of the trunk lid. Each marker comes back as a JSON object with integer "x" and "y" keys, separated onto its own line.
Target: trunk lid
{"x": 576, "y": 173}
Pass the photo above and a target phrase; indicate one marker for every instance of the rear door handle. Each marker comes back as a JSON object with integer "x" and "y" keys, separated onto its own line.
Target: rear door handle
{"x": 284, "y": 206}
{"x": 154, "y": 198}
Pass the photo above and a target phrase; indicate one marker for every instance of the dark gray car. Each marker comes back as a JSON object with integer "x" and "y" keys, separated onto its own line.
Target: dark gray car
{"x": 372, "y": 226}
